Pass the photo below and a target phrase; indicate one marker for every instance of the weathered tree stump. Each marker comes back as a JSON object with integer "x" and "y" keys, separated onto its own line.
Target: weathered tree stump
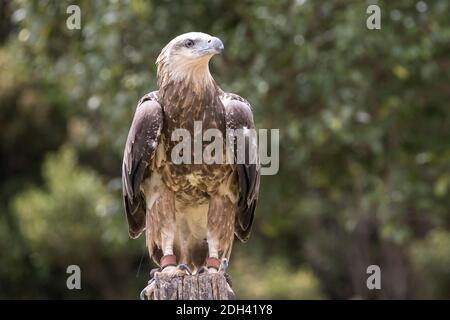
{"x": 205, "y": 286}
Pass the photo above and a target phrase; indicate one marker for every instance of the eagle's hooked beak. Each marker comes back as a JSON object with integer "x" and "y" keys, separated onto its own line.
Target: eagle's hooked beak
{"x": 216, "y": 45}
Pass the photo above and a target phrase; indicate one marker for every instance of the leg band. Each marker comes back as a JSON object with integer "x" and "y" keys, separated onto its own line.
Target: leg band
{"x": 168, "y": 260}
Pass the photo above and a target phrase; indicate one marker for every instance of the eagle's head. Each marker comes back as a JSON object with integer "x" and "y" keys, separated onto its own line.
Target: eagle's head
{"x": 186, "y": 59}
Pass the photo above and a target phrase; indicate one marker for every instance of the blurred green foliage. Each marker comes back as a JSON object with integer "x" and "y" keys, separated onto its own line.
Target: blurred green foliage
{"x": 364, "y": 156}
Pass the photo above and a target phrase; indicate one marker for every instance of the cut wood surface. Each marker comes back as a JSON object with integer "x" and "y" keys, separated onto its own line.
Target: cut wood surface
{"x": 206, "y": 286}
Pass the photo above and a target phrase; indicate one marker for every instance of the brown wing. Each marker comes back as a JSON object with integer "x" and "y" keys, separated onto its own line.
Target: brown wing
{"x": 239, "y": 116}
{"x": 140, "y": 148}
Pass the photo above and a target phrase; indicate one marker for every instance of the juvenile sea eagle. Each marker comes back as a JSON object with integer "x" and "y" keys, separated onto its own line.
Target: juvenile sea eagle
{"x": 190, "y": 212}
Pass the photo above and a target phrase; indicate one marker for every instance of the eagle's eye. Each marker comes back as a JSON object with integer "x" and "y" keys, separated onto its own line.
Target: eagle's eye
{"x": 189, "y": 43}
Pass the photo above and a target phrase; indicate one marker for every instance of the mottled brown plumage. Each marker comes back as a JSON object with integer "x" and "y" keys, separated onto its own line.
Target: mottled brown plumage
{"x": 190, "y": 210}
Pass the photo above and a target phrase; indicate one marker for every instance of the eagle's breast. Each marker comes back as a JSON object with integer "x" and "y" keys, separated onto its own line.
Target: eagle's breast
{"x": 192, "y": 183}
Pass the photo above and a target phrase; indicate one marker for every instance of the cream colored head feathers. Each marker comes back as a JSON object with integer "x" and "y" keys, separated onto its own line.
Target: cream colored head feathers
{"x": 186, "y": 59}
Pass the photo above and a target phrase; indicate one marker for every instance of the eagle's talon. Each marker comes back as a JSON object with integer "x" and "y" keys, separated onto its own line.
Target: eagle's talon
{"x": 185, "y": 267}
{"x": 225, "y": 265}
{"x": 176, "y": 271}
{"x": 202, "y": 269}
{"x": 153, "y": 271}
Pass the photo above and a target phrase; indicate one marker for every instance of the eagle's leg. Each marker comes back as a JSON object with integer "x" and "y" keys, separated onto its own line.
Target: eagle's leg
{"x": 161, "y": 224}
{"x": 220, "y": 229}
{"x": 220, "y": 233}
{"x": 168, "y": 261}
{"x": 160, "y": 227}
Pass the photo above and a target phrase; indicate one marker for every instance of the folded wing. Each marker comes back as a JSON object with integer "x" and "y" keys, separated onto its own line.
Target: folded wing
{"x": 239, "y": 116}
{"x": 140, "y": 149}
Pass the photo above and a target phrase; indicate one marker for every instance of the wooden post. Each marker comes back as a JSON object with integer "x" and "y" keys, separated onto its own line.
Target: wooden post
{"x": 205, "y": 286}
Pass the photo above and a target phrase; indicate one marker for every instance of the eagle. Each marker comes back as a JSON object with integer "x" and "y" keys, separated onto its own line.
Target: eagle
{"x": 190, "y": 212}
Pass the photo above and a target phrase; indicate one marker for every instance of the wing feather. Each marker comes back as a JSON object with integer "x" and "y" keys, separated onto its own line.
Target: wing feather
{"x": 239, "y": 116}
{"x": 140, "y": 149}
